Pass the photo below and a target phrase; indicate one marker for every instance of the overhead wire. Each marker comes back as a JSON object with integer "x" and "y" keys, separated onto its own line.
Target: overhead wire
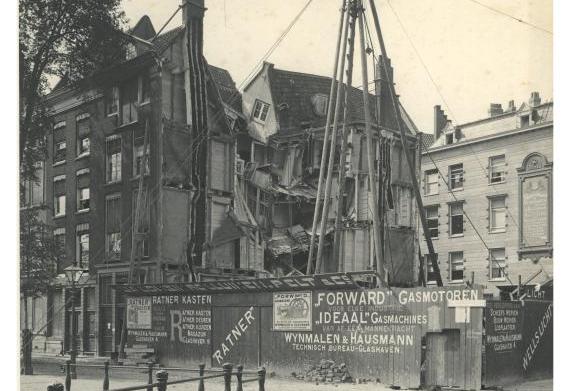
{"x": 495, "y": 10}
{"x": 275, "y": 44}
{"x": 429, "y": 154}
{"x": 450, "y": 111}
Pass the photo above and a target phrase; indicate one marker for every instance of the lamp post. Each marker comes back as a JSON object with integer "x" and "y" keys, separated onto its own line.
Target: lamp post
{"x": 73, "y": 274}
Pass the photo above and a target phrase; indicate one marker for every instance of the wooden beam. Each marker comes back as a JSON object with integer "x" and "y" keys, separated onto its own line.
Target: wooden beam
{"x": 370, "y": 163}
{"x": 325, "y": 146}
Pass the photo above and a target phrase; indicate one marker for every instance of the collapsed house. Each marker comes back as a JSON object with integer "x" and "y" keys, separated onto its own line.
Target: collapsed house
{"x": 279, "y": 160}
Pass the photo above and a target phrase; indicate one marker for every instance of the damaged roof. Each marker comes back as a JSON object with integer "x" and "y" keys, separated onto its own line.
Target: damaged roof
{"x": 292, "y": 93}
{"x": 294, "y": 96}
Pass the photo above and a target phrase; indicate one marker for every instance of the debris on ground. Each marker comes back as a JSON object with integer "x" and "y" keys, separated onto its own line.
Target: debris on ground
{"x": 327, "y": 371}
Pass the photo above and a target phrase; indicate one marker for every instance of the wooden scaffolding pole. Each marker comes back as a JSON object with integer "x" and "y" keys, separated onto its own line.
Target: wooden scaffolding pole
{"x": 333, "y": 141}
{"x": 345, "y": 131}
{"x": 135, "y": 240}
{"x": 412, "y": 173}
{"x": 325, "y": 146}
{"x": 370, "y": 163}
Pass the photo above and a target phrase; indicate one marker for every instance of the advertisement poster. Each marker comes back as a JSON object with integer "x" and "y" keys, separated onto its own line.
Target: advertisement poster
{"x": 139, "y": 313}
{"x": 292, "y": 311}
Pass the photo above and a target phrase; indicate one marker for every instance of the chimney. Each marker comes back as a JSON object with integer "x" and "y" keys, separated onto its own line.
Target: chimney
{"x": 439, "y": 120}
{"x": 511, "y": 107}
{"x": 384, "y": 106}
{"x": 495, "y": 109}
{"x": 193, "y": 9}
{"x": 534, "y": 99}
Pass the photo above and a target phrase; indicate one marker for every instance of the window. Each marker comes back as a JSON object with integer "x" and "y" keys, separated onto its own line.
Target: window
{"x": 432, "y": 217}
{"x": 60, "y": 151}
{"x": 83, "y": 129}
{"x": 497, "y": 263}
{"x": 456, "y": 220}
{"x": 129, "y": 98}
{"x": 113, "y": 227}
{"x": 456, "y": 266}
{"x": 130, "y": 51}
{"x": 143, "y": 225}
{"x": 112, "y": 101}
{"x": 524, "y": 121}
{"x": 449, "y": 138}
{"x": 456, "y": 176}
{"x": 431, "y": 182}
{"x": 260, "y": 111}
{"x": 497, "y": 212}
{"x": 83, "y": 181}
{"x": 138, "y": 155}
{"x": 496, "y": 169}
{"x": 113, "y": 159}
{"x": 82, "y": 245}
{"x": 431, "y": 275}
{"x": 59, "y": 196}
{"x": 34, "y": 189}
{"x": 83, "y": 199}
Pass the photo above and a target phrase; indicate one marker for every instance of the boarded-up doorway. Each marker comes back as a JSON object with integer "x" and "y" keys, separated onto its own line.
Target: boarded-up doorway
{"x": 443, "y": 364}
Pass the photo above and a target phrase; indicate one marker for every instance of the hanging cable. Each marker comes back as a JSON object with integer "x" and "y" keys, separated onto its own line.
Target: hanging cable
{"x": 275, "y": 44}
{"x": 512, "y": 17}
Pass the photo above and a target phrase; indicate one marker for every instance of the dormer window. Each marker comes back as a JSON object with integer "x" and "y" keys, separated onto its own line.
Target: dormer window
{"x": 524, "y": 121}
{"x": 130, "y": 51}
{"x": 260, "y": 111}
{"x": 449, "y": 138}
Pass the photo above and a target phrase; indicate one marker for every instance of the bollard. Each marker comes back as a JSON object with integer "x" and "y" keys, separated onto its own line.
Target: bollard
{"x": 239, "y": 378}
{"x": 261, "y": 378}
{"x": 106, "y": 376}
{"x": 227, "y": 372}
{"x": 68, "y": 375}
{"x": 201, "y": 374}
{"x": 162, "y": 377}
{"x": 150, "y": 365}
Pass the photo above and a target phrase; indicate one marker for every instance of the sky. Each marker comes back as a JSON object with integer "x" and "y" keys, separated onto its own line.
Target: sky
{"x": 467, "y": 56}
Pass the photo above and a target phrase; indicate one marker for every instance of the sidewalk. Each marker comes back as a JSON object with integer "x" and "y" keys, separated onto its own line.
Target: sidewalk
{"x": 40, "y": 383}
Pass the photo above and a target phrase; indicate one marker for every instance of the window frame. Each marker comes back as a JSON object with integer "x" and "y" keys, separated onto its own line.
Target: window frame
{"x": 263, "y": 109}
{"x": 59, "y": 151}
{"x": 436, "y": 218}
{"x": 462, "y": 214}
{"x": 428, "y": 265}
{"x": 59, "y": 208}
{"x": 456, "y": 261}
{"x": 436, "y": 182}
{"x": 496, "y": 229}
{"x": 111, "y": 175}
{"x": 494, "y": 264}
{"x": 456, "y": 171}
{"x": 492, "y": 166}
{"x": 109, "y": 236}
{"x": 79, "y": 247}
{"x": 136, "y": 155}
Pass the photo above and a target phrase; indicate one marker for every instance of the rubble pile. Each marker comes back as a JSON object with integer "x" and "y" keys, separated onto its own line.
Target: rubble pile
{"x": 327, "y": 371}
